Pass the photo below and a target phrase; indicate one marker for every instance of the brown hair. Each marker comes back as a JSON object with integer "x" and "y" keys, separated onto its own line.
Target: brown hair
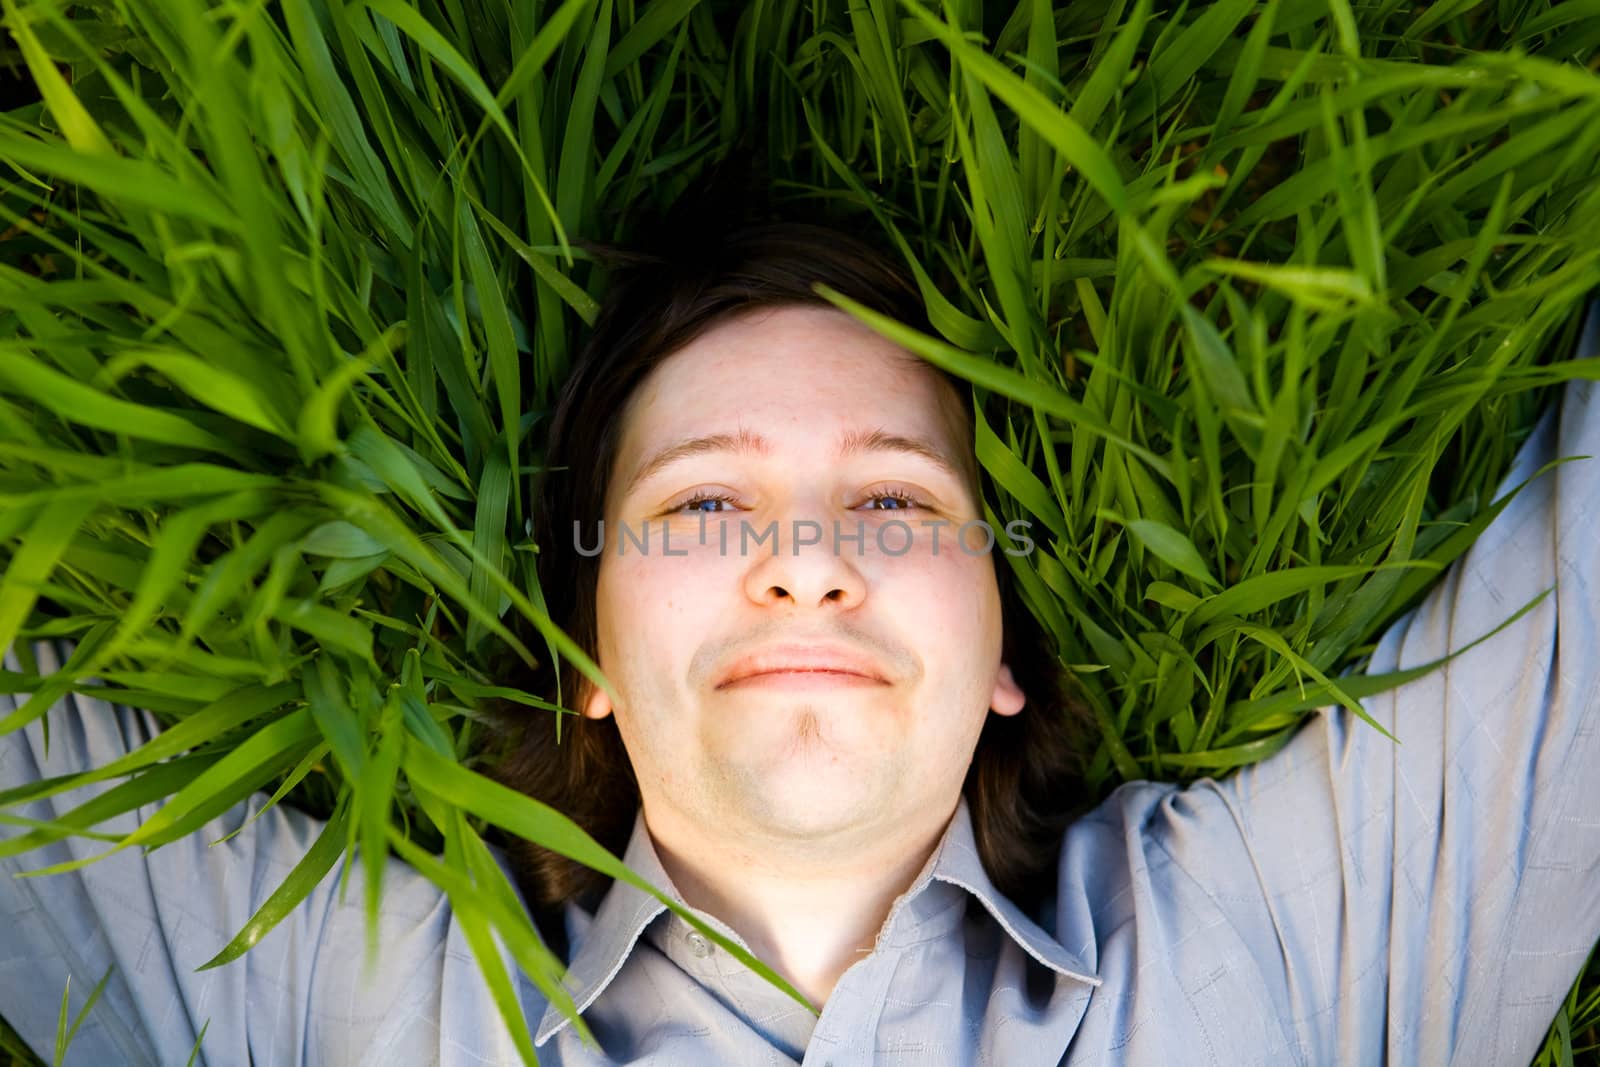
{"x": 1026, "y": 779}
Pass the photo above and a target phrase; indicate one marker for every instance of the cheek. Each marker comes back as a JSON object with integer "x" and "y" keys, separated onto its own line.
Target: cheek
{"x": 946, "y": 601}
{"x": 649, "y": 605}
{"x": 947, "y": 605}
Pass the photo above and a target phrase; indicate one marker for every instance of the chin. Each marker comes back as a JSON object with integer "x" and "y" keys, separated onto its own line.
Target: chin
{"x": 799, "y": 819}
{"x": 815, "y": 799}
{"x": 809, "y": 770}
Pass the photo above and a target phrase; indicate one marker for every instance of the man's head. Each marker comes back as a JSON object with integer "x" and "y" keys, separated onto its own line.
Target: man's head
{"x": 781, "y": 407}
{"x": 719, "y": 397}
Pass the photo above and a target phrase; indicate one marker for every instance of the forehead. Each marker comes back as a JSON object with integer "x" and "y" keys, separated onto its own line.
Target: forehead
{"x": 804, "y": 373}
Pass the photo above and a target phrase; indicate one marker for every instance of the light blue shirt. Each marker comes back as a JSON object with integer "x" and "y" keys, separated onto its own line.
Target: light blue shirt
{"x": 1345, "y": 901}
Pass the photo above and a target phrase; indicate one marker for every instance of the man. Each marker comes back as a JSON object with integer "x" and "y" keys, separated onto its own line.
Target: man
{"x": 818, "y": 742}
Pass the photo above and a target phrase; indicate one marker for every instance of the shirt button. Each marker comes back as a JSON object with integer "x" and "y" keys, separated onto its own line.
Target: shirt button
{"x": 698, "y": 944}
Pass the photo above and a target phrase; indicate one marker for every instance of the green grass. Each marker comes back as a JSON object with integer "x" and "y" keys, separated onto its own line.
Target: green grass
{"x": 1274, "y": 290}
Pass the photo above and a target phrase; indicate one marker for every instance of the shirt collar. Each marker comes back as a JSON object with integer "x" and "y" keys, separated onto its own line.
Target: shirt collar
{"x": 603, "y": 942}
{"x": 957, "y": 863}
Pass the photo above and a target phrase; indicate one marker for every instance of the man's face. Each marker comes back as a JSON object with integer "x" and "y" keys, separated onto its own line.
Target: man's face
{"x": 823, "y": 696}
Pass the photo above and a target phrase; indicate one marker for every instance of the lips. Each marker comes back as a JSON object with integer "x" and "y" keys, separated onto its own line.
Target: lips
{"x": 797, "y": 661}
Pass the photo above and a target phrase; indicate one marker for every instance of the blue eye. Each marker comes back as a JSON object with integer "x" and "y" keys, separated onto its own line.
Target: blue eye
{"x": 694, "y": 503}
{"x": 901, "y": 501}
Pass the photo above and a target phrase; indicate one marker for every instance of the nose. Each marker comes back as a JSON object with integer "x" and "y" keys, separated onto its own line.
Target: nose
{"x": 804, "y": 575}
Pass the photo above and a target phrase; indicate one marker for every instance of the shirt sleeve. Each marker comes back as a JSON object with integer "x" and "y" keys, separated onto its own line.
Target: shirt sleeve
{"x": 1431, "y": 901}
{"x": 302, "y": 994}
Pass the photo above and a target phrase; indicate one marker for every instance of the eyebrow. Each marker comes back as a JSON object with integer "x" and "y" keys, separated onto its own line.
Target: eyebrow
{"x": 851, "y": 443}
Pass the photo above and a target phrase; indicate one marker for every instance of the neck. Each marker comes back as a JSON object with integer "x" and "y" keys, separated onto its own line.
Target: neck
{"x": 807, "y": 920}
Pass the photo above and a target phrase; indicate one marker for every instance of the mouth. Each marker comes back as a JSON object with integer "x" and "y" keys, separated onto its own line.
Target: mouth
{"x": 808, "y": 666}
{"x": 802, "y": 678}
